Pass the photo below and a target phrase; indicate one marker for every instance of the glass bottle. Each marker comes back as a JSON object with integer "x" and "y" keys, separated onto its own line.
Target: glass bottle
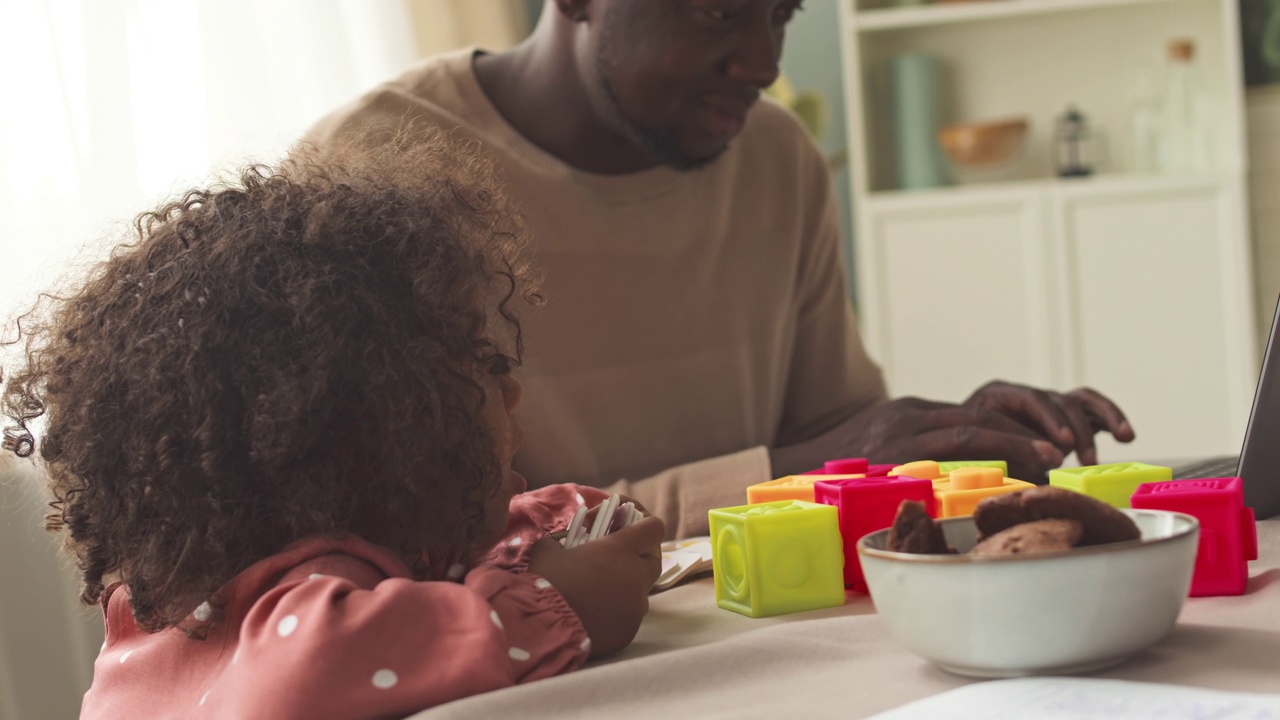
{"x": 1184, "y": 134}
{"x": 1144, "y": 125}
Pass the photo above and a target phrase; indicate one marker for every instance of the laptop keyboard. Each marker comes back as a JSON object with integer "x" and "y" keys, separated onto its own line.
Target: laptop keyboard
{"x": 1211, "y": 468}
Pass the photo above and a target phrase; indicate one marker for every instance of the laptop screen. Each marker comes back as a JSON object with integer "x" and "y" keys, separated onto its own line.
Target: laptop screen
{"x": 1260, "y": 458}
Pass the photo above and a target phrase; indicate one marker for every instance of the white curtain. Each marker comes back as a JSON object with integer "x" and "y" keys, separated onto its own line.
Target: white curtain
{"x": 107, "y": 107}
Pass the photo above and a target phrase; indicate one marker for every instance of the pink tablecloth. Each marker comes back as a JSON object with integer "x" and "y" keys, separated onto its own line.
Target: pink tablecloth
{"x": 692, "y": 659}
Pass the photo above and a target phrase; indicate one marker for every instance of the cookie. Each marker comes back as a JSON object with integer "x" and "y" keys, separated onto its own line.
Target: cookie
{"x": 914, "y": 531}
{"x": 1037, "y": 536}
{"x": 1100, "y": 523}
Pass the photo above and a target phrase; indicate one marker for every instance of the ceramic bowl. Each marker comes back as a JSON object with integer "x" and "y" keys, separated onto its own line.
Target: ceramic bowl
{"x": 985, "y": 144}
{"x": 1066, "y": 612}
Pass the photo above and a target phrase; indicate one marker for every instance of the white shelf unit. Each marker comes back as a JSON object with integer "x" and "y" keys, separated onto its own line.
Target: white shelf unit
{"x": 1138, "y": 284}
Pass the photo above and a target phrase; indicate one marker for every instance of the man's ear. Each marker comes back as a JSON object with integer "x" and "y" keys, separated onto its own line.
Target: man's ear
{"x": 574, "y": 10}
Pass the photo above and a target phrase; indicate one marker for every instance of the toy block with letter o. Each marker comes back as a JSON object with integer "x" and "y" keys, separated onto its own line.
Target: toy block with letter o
{"x": 777, "y": 558}
{"x": 959, "y": 491}
{"x": 1113, "y": 484}
{"x": 867, "y": 505}
{"x": 1228, "y": 534}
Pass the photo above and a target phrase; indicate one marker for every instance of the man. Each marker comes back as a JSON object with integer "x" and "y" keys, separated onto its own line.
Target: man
{"x": 696, "y": 337}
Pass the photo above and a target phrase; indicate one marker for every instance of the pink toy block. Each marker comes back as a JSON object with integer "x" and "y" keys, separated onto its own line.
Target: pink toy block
{"x": 852, "y": 466}
{"x": 866, "y": 505}
{"x": 843, "y": 466}
{"x": 1228, "y": 533}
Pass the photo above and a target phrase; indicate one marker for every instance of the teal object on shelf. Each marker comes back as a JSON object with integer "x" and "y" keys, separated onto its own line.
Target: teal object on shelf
{"x": 916, "y": 90}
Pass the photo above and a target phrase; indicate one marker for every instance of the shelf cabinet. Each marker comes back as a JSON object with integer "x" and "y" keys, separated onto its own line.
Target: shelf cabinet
{"x": 1135, "y": 283}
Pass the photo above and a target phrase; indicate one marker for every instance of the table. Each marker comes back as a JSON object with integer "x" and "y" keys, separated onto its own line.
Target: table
{"x": 693, "y": 660}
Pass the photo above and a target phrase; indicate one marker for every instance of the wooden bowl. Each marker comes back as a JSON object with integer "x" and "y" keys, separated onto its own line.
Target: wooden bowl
{"x": 985, "y": 143}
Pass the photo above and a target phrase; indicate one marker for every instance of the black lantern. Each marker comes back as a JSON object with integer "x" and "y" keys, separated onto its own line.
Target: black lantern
{"x": 1074, "y": 145}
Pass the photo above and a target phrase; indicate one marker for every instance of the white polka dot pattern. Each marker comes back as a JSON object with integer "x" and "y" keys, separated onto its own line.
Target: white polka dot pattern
{"x": 493, "y": 615}
{"x": 287, "y": 625}
{"x": 542, "y": 583}
{"x": 518, "y": 654}
{"x": 203, "y": 612}
{"x": 385, "y": 679}
{"x": 515, "y": 541}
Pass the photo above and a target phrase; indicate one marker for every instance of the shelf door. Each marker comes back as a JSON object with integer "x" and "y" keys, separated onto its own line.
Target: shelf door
{"x": 960, "y": 293}
{"x": 1162, "y": 316}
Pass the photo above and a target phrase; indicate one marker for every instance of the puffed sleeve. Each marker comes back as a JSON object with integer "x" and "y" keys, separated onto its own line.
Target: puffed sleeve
{"x": 327, "y": 648}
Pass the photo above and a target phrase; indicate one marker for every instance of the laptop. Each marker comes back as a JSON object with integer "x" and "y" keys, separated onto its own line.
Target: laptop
{"x": 1258, "y": 465}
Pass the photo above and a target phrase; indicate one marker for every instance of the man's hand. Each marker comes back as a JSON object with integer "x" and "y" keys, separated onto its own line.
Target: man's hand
{"x": 1067, "y": 420}
{"x": 1032, "y": 430}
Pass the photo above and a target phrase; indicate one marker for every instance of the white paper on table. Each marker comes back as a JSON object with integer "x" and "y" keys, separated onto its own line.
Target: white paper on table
{"x": 1062, "y": 698}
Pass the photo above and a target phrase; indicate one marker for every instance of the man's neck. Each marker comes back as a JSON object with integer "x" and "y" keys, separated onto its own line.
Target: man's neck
{"x": 537, "y": 91}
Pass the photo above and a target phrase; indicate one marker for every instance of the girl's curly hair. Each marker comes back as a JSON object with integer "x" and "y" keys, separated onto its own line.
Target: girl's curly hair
{"x": 287, "y": 354}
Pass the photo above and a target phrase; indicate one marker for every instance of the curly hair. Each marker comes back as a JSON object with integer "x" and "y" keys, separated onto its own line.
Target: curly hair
{"x": 289, "y": 353}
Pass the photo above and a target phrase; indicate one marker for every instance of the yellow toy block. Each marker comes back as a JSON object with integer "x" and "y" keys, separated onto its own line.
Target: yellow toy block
{"x": 960, "y": 493}
{"x": 947, "y": 467}
{"x": 1113, "y": 484}
{"x": 777, "y": 558}
{"x": 791, "y": 487}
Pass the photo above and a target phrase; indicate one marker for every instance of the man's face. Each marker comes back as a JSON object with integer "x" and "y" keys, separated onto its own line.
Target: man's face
{"x": 678, "y": 76}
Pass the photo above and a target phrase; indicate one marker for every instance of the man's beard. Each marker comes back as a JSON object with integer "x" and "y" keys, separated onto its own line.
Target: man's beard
{"x": 663, "y": 146}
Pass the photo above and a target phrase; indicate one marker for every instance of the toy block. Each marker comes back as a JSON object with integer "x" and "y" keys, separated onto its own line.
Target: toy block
{"x": 843, "y": 466}
{"x": 947, "y": 467}
{"x": 1228, "y": 533}
{"x": 961, "y": 491}
{"x": 867, "y": 505}
{"x": 777, "y": 558}
{"x": 1113, "y": 484}
{"x": 791, "y": 487}
{"x": 923, "y": 469}
{"x": 882, "y": 470}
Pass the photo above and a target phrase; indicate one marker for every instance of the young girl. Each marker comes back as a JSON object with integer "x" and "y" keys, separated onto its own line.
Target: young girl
{"x": 278, "y": 430}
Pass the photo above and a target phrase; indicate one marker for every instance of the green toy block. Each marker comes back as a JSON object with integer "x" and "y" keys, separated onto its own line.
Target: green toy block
{"x": 947, "y": 467}
{"x": 777, "y": 558}
{"x": 1113, "y": 484}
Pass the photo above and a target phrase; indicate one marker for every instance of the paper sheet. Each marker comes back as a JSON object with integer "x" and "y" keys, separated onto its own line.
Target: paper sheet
{"x": 1059, "y": 698}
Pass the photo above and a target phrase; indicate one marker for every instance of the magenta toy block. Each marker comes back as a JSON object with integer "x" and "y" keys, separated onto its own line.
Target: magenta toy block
{"x": 852, "y": 466}
{"x": 866, "y": 505}
{"x": 1228, "y": 533}
{"x": 843, "y": 466}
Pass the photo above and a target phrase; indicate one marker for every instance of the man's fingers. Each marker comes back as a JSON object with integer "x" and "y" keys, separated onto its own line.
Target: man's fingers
{"x": 1107, "y": 413}
{"x": 1082, "y": 425}
{"x": 974, "y": 416}
{"x": 1032, "y": 457}
{"x": 1037, "y": 407}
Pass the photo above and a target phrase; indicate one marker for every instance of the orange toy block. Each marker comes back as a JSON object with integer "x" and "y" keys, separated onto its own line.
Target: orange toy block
{"x": 791, "y": 487}
{"x": 960, "y": 498}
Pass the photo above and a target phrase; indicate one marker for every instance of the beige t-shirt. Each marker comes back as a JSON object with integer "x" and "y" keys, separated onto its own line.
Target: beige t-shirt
{"x": 693, "y": 319}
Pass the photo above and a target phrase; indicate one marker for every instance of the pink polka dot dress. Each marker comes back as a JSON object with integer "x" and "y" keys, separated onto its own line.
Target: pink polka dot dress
{"x": 337, "y": 628}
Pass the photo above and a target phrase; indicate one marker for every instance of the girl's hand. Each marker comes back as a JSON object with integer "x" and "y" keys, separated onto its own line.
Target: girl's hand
{"x": 606, "y": 581}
